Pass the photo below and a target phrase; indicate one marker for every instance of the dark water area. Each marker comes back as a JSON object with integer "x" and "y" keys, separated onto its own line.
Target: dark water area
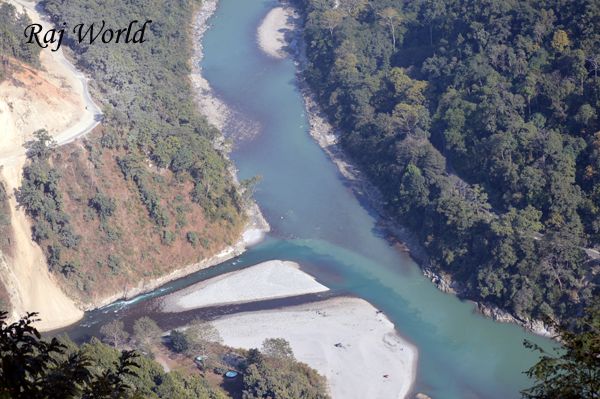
{"x": 318, "y": 222}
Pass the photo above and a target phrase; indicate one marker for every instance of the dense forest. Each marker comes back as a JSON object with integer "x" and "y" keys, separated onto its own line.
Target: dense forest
{"x": 11, "y": 45}
{"x": 145, "y": 192}
{"x": 479, "y": 122}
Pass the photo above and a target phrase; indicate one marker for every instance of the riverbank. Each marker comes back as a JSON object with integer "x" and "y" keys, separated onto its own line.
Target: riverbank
{"x": 267, "y": 280}
{"x": 288, "y": 20}
{"x": 284, "y": 22}
{"x": 217, "y": 113}
{"x": 215, "y": 110}
{"x": 212, "y": 107}
{"x": 347, "y": 340}
{"x": 252, "y": 234}
{"x": 37, "y": 288}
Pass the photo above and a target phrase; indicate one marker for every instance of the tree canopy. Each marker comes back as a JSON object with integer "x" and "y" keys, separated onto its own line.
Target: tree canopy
{"x": 479, "y": 123}
{"x": 12, "y": 44}
{"x": 31, "y": 367}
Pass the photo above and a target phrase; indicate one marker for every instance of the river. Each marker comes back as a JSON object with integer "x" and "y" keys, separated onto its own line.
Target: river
{"x": 318, "y": 222}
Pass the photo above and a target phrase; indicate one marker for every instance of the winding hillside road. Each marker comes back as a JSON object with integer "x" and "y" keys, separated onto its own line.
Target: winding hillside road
{"x": 89, "y": 118}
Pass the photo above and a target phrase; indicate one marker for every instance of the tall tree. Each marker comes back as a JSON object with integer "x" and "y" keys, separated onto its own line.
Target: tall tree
{"x": 114, "y": 333}
{"x": 332, "y": 19}
{"x": 146, "y": 332}
{"x": 391, "y": 18}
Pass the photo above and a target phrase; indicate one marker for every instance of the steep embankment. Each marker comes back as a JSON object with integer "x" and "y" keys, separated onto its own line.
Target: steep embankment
{"x": 148, "y": 196}
{"x": 52, "y": 98}
{"x": 25, "y": 274}
{"x": 145, "y": 198}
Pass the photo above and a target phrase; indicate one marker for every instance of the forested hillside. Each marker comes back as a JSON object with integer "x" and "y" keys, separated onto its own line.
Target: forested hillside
{"x": 479, "y": 121}
{"x": 146, "y": 192}
{"x": 11, "y": 44}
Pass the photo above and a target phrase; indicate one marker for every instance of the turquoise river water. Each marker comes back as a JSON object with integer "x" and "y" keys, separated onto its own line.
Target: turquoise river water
{"x": 317, "y": 221}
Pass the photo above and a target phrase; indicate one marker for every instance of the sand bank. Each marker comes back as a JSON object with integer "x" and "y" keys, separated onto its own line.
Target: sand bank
{"x": 268, "y": 280}
{"x": 346, "y": 339}
{"x": 271, "y": 32}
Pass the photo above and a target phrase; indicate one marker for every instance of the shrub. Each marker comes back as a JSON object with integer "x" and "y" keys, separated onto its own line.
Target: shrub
{"x": 192, "y": 238}
{"x": 168, "y": 237}
{"x": 103, "y": 205}
{"x": 179, "y": 342}
{"x": 114, "y": 263}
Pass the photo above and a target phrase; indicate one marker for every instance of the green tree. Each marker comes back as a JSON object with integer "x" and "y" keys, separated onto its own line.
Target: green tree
{"x": 353, "y": 7}
{"x": 103, "y": 205}
{"x": 464, "y": 130}
{"x": 42, "y": 146}
{"x": 281, "y": 377}
{"x": 200, "y": 334}
{"x": 12, "y": 45}
{"x": 146, "y": 332}
{"x": 560, "y": 40}
{"x": 413, "y": 189}
{"x": 332, "y": 19}
{"x": 573, "y": 371}
{"x": 277, "y": 348}
{"x": 179, "y": 342}
{"x": 32, "y": 368}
